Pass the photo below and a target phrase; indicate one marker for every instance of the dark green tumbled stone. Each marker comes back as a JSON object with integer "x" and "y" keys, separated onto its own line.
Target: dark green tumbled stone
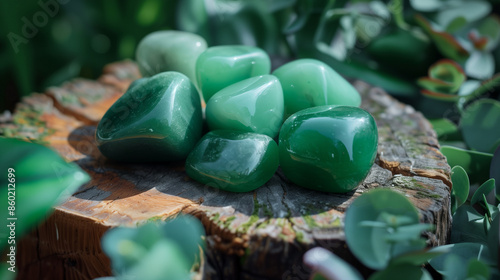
{"x": 252, "y": 105}
{"x": 221, "y": 66}
{"x": 328, "y": 148}
{"x": 233, "y": 161}
{"x": 309, "y": 82}
{"x": 157, "y": 119}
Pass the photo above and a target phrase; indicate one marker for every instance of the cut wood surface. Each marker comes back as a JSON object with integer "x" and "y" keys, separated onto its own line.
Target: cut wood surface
{"x": 258, "y": 235}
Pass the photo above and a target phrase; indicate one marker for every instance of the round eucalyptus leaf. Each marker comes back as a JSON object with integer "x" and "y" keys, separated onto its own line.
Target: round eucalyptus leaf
{"x": 165, "y": 260}
{"x": 480, "y": 127}
{"x": 484, "y": 190}
{"x": 126, "y": 246}
{"x": 476, "y": 164}
{"x": 461, "y": 185}
{"x": 187, "y": 231}
{"x": 369, "y": 243}
{"x": 174, "y": 244}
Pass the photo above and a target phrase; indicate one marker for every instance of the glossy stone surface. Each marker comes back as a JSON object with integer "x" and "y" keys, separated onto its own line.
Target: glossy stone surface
{"x": 170, "y": 50}
{"x": 157, "y": 119}
{"x": 308, "y": 83}
{"x": 221, "y": 66}
{"x": 328, "y": 148}
{"x": 233, "y": 161}
{"x": 252, "y": 105}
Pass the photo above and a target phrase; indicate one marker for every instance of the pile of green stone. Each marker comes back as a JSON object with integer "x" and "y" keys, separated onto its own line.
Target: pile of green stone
{"x": 325, "y": 141}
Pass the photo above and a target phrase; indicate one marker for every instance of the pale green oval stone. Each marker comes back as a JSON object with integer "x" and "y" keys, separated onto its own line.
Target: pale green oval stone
{"x": 221, "y": 66}
{"x": 170, "y": 50}
{"x": 309, "y": 83}
{"x": 252, "y": 105}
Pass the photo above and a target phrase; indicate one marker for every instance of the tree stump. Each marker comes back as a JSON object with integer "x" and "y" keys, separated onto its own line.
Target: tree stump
{"x": 257, "y": 235}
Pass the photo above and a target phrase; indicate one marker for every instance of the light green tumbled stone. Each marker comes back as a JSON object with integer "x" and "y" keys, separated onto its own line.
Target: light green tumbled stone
{"x": 308, "y": 83}
{"x": 233, "y": 161}
{"x": 158, "y": 119}
{"x": 221, "y": 66}
{"x": 170, "y": 50}
{"x": 252, "y": 105}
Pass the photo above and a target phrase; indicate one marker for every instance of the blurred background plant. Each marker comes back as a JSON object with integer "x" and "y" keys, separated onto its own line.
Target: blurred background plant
{"x": 171, "y": 249}
{"x": 441, "y": 56}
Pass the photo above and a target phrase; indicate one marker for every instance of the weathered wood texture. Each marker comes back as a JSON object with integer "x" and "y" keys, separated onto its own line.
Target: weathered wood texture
{"x": 257, "y": 235}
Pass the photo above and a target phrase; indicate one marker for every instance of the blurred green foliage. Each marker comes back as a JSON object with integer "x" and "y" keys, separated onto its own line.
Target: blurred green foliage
{"x": 70, "y": 38}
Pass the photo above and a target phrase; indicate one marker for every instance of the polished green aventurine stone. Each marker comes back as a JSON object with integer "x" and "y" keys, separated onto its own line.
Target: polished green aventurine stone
{"x": 252, "y": 105}
{"x": 171, "y": 50}
{"x": 157, "y": 119}
{"x": 221, "y": 66}
{"x": 309, "y": 83}
{"x": 328, "y": 148}
{"x": 233, "y": 161}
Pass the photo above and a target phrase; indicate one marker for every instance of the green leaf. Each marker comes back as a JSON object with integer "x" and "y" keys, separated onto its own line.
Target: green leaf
{"x": 188, "y": 234}
{"x": 409, "y": 232}
{"x": 446, "y": 129}
{"x": 484, "y": 189}
{"x": 329, "y": 265}
{"x": 479, "y": 125}
{"x": 493, "y": 237}
{"x": 152, "y": 251}
{"x": 367, "y": 243}
{"x": 438, "y": 86}
{"x": 5, "y": 273}
{"x": 460, "y": 182}
{"x": 395, "y": 272}
{"x": 467, "y": 226}
{"x": 484, "y": 89}
{"x": 495, "y": 172}
{"x": 449, "y": 72}
{"x": 476, "y": 164}
{"x": 401, "y": 88}
{"x": 490, "y": 27}
{"x": 477, "y": 270}
{"x": 41, "y": 180}
{"x": 480, "y": 65}
{"x": 470, "y": 10}
{"x": 468, "y": 87}
{"x": 417, "y": 257}
{"x": 446, "y": 43}
{"x": 461, "y": 254}
{"x": 454, "y": 268}
{"x": 426, "y": 5}
{"x": 440, "y": 96}
{"x": 456, "y": 24}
